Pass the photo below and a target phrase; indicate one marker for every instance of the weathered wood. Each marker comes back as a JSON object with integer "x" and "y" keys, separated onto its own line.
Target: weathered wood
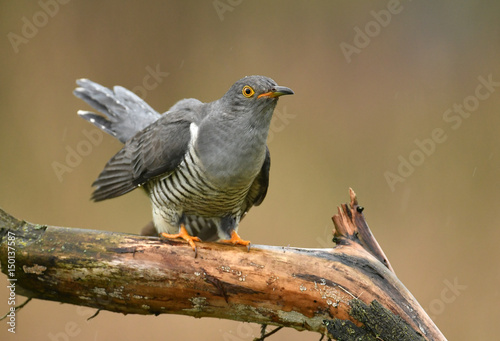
{"x": 284, "y": 286}
{"x": 379, "y": 323}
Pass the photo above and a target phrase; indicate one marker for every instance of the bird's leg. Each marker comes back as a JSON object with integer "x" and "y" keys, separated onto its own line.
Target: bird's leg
{"x": 236, "y": 240}
{"x": 183, "y": 233}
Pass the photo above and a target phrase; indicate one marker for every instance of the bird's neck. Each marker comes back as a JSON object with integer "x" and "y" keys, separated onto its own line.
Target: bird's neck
{"x": 232, "y": 148}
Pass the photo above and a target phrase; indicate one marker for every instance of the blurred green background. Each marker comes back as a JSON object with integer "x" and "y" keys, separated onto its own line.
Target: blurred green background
{"x": 369, "y": 78}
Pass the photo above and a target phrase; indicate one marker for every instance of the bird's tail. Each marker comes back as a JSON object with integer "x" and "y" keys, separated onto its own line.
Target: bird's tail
{"x": 124, "y": 112}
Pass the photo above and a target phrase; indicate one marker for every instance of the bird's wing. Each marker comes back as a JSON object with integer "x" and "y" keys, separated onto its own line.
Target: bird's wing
{"x": 258, "y": 189}
{"x": 156, "y": 150}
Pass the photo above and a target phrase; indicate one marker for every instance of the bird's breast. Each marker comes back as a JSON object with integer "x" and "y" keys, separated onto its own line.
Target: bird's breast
{"x": 230, "y": 158}
{"x": 190, "y": 189}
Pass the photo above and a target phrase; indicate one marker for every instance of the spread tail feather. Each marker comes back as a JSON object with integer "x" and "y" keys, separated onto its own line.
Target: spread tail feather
{"x": 124, "y": 112}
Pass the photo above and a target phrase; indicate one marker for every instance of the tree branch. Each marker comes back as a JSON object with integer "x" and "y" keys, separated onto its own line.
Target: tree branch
{"x": 349, "y": 290}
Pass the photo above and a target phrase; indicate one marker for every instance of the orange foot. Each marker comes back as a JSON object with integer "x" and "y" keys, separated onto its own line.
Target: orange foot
{"x": 236, "y": 240}
{"x": 184, "y": 235}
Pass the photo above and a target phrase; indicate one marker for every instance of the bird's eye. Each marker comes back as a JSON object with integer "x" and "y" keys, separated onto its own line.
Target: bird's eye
{"x": 247, "y": 91}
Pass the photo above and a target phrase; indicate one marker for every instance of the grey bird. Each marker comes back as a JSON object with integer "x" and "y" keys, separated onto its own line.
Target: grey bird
{"x": 203, "y": 165}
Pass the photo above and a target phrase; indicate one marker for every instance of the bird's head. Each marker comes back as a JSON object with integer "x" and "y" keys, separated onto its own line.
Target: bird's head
{"x": 256, "y": 93}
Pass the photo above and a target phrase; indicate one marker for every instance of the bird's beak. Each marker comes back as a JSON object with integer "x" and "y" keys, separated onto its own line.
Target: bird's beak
{"x": 277, "y": 91}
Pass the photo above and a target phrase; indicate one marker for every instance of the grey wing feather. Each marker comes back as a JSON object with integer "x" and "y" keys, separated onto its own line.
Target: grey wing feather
{"x": 157, "y": 150}
{"x": 258, "y": 189}
{"x": 125, "y": 112}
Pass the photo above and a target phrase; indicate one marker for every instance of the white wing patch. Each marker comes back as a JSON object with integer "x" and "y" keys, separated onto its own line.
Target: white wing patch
{"x": 193, "y": 129}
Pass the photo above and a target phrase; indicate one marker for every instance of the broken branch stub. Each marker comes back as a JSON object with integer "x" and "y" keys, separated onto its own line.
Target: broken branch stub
{"x": 351, "y": 227}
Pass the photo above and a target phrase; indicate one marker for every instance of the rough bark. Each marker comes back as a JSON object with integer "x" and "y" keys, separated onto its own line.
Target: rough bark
{"x": 347, "y": 291}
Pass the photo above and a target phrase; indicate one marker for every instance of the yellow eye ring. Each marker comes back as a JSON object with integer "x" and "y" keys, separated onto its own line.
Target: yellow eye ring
{"x": 247, "y": 91}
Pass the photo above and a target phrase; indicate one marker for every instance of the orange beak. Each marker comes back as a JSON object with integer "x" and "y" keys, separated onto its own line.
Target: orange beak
{"x": 276, "y": 92}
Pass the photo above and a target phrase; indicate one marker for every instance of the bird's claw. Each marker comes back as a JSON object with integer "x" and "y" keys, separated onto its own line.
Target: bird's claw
{"x": 183, "y": 234}
{"x": 236, "y": 240}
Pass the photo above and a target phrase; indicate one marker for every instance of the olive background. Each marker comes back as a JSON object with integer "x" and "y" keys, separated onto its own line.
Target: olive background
{"x": 356, "y": 118}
